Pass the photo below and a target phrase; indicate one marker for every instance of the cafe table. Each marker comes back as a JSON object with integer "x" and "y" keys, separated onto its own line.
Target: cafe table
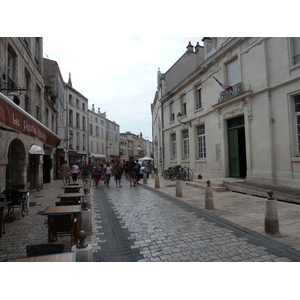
{"x": 70, "y": 196}
{"x": 66, "y": 210}
{"x": 72, "y": 189}
{"x": 59, "y": 257}
{"x": 2, "y": 205}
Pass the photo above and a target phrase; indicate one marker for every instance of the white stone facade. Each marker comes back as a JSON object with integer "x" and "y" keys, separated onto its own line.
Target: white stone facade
{"x": 252, "y": 132}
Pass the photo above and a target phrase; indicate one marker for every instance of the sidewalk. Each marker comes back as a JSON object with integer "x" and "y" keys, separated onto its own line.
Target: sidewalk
{"x": 244, "y": 210}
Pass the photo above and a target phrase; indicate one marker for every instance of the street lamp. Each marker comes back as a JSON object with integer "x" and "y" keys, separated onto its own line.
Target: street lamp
{"x": 179, "y": 117}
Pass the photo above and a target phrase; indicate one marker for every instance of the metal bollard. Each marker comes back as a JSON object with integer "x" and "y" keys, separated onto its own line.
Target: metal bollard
{"x": 83, "y": 250}
{"x": 271, "y": 216}
{"x": 209, "y": 199}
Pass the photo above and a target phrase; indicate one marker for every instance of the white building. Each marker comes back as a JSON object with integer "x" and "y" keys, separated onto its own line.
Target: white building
{"x": 251, "y": 132}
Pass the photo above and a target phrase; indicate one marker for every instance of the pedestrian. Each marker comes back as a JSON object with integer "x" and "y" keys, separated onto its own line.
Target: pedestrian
{"x": 85, "y": 171}
{"x": 137, "y": 171}
{"x": 65, "y": 171}
{"x": 118, "y": 170}
{"x": 131, "y": 172}
{"x": 108, "y": 171}
{"x": 126, "y": 169}
{"x": 75, "y": 171}
{"x": 96, "y": 175}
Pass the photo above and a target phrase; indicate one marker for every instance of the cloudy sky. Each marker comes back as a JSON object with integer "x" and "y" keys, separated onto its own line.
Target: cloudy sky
{"x": 117, "y": 73}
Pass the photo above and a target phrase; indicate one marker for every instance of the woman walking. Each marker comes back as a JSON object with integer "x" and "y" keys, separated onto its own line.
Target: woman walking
{"x": 97, "y": 173}
{"x": 108, "y": 171}
{"x": 118, "y": 170}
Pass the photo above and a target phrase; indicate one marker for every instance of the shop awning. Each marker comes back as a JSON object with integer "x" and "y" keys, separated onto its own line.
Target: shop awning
{"x": 35, "y": 149}
{"x": 98, "y": 155}
{"x": 19, "y": 120}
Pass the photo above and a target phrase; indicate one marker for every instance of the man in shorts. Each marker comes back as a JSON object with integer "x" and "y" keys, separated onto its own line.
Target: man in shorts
{"x": 131, "y": 172}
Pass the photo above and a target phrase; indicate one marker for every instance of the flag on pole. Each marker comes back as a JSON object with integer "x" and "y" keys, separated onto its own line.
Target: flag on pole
{"x": 228, "y": 88}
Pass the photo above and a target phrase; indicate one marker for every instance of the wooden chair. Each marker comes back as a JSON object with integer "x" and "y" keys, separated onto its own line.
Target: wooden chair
{"x": 44, "y": 249}
{"x": 62, "y": 225}
{"x": 14, "y": 197}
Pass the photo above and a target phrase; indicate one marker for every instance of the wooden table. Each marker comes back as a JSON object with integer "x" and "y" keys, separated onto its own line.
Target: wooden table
{"x": 72, "y": 189}
{"x": 2, "y": 205}
{"x": 66, "y": 210}
{"x": 71, "y": 196}
{"x": 59, "y": 257}
{"x": 62, "y": 210}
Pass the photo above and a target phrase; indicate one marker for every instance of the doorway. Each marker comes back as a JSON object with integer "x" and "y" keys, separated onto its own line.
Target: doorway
{"x": 237, "y": 147}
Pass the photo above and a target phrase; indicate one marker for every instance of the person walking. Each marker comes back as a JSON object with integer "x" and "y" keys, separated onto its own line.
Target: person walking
{"x": 96, "y": 175}
{"x": 118, "y": 170}
{"x": 131, "y": 172}
{"x": 137, "y": 171}
{"x": 75, "y": 172}
{"x": 108, "y": 171}
{"x": 64, "y": 171}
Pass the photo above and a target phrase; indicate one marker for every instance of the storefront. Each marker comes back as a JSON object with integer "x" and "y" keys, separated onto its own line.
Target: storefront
{"x": 25, "y": 142}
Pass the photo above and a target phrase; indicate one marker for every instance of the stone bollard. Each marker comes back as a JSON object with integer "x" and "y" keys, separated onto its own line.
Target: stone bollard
{"x": 83, "y": 250}
{"x": 178, "y": 188}
{"x": 209, "y": 199}
{"x": 87, "y": 198}
{"x": 145, "y": 178}
{"x": 85, "y": 220}
{"x": 271, "y": 216}
{"x": 156, "y": 180}
{"x": 152, "y": 173}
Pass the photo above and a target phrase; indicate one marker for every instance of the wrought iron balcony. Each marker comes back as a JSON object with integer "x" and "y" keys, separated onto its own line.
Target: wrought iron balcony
{"x": 237, "y": 90}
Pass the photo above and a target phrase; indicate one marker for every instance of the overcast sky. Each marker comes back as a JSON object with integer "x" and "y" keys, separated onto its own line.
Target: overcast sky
{"x": 117, "y": 74}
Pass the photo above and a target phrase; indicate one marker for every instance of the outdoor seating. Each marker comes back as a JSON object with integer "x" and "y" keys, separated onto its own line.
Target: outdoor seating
{"x": 62, "y": 203}
{"x": 44, "y": 249}
{"x": 61, "y": 225}
{"x": 16, "y": 200}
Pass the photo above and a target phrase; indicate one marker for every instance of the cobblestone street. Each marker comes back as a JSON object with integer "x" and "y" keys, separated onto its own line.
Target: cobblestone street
{"x": 159, "y": 228}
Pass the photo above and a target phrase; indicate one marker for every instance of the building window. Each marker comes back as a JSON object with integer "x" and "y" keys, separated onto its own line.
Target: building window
{"x": 186, "y": 147}
{"x": 91, "y": 129}
{"x": 11, "y": 63}
{"x": 27, "y": 92}
{"x": 232, "y": 69}
{"x": 173, "y": 146}
{"x": 297, "y": 112}
{"x": 172, "y": 116}
{"x": 201, "y": 141}
{"x": 38, "y": 104}
{"x": 70, "y": 117}
{"x": 199, "y": 98}
{"x": 92, "y": 146}
{"x": 296, "y": 50}
{"x": 77, "y": 120}
{"x": 97, "y": 131}
{"x": 183, "y": 105}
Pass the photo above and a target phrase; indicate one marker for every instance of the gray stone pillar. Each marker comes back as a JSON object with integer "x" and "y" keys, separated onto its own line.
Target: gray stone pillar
{"x": 144, "y": 178}
{"x": 178, "y": 188}
{"x": 152, "y": 173}
{"x": 87, "y": 197}
{"x": 157, "y": 185}
{"x": 209, "y": 199}
{"x": 83, "y": 251}
{"x": 271, "y": 216}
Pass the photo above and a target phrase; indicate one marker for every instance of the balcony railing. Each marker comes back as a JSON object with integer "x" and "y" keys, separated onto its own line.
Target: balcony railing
{"x": 237, "y": 90}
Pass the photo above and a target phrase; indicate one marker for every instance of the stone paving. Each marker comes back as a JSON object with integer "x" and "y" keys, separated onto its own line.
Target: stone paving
{"x": 147, "y": 224}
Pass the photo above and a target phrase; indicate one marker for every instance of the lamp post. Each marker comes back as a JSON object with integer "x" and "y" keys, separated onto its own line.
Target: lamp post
{"x": 179, "y": 118}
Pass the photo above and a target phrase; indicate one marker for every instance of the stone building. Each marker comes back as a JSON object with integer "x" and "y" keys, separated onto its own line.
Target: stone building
{"x": 77, "y": 125}
{"x": 27, "y": 144}
{"x": 112, "y": 140}
{"x": 97, "y": 136}
{"x": 251, "y": 130}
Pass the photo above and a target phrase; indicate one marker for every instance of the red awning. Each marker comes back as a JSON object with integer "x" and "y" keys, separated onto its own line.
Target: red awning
{"x": 18, "y": 119}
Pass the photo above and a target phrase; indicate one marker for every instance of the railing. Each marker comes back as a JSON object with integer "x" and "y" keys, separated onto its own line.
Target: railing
{"x": 237, "y": 90}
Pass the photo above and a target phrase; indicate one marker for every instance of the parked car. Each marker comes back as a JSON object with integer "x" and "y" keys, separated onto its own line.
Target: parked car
{"x": 144, "y": 169}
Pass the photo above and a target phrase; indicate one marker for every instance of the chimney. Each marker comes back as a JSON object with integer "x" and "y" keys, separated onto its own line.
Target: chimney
{"x": 141, "y": 135}
{"x": 190, "y": 48}
{"x": 99, "y": 110}
{"x": 197, "y": 47}
{"x": 93, "y": 107}
{"x": 70, "y": 81}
